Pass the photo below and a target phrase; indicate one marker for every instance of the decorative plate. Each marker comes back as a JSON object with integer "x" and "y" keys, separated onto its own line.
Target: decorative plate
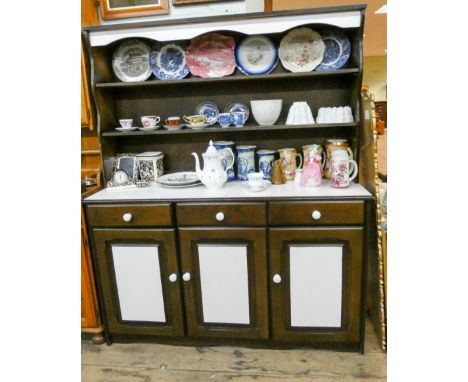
{"x": 238, "y": 106}
{"x": 168, "y": 61}
{"x": 337, "y": 50}
{"x": 179, "y": 178}
{"x": 181, "y": 186}
{"x": 211, "y": 55}
{"x": 197, "y": 126}
{"x": 149, "y": 128}
{"x": 301, "y": 50}
{"x": 170, "y": 127}
{"x": 126, "y": 128}
{"x": 210, "y": 110}
{"x": 256, "y": 55}
{"x": 130, "y": 61}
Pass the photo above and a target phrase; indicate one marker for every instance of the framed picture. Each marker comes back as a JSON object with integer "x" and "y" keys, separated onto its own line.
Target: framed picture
{"x": 183, "y": 2}
{"x": 127, "y": 163}
{"x": 119, "y": 9}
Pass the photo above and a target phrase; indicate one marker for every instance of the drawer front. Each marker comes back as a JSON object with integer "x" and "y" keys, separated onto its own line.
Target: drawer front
{"x": 316, "y": 213}
{"x": 222, "y": 214}
{"x": 130, "y": 215}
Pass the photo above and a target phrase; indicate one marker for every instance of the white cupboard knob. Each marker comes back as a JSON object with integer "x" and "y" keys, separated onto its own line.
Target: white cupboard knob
{"x": 277, "y": 279}
{"x": 186, "y": 276}
{"x": 316, "y": 215}
{"x": 220, "y": 216}
{"x": 127, "y": 217}
{"x": 173, "y": 278}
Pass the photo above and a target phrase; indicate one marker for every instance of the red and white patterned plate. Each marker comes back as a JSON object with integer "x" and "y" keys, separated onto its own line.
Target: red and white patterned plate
{"x": 211, "y": 55}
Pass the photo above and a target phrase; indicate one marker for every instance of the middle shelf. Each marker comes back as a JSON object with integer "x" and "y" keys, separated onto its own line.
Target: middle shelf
{"x": 218, "y": 129}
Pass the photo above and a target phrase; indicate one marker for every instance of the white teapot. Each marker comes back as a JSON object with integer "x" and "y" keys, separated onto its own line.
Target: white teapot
{"x": 213, "y": 174}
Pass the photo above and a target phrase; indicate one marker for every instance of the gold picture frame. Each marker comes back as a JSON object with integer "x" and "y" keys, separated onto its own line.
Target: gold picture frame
{"x": 120, "y": 9}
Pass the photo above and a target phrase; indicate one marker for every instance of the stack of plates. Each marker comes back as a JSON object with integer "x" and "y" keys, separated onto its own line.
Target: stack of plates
{"x": 179, "y": 179}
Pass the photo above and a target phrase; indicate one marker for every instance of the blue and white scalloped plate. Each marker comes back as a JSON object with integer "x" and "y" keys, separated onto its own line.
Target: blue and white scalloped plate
{"x": 337, "y": 50}
{"x": 168, "y": 61}
{"x": 256, "y": 55}
{"x": 209, "y": 109}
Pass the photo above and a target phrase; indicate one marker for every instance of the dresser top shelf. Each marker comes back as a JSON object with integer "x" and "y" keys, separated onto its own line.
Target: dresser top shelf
{"x": 231, "y": 190}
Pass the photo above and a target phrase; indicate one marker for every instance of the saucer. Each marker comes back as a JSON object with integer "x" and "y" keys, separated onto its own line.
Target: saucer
{"x": 266, "y": 184}
{"x": 197, "y": 126}
{"x": 178, "y": 127}
{"x": 126, "y": 128}
{"x": 149, "y": 128}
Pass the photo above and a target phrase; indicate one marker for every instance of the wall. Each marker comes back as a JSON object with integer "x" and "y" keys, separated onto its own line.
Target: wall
{"x": 198, "y": 10}
{"x": 375, "y": 76}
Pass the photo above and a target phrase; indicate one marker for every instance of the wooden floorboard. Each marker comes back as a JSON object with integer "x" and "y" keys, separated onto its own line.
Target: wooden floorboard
{"x": 154, "y": 362}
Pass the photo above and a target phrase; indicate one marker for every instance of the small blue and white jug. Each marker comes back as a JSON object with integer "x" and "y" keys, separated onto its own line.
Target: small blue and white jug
{"x": 228, "y": 148}
{"x": 265, "y": 162}
{"x": 245, "y": 161}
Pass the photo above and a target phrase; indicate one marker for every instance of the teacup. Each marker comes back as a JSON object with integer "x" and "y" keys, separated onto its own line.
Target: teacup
{"x": 195, "y": 119}
{"x": 255, "y": 179}
{"x": 173, "y": 121}
{"x": 238, "y": 118}
{"x": 150, "y": 120}
{"x": 225, "y": 119}
{"x": 126, "y": 123}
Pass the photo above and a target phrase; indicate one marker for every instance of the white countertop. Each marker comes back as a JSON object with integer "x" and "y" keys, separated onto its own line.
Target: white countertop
{"x": 231, "y": 190}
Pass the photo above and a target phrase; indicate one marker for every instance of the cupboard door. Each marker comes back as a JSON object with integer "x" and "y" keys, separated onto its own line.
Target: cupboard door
{"x": 85, "y": 108}
{"x": 316, "y": 278}
{"x": 225, "y": 282}
{"x": 140, "y": 281}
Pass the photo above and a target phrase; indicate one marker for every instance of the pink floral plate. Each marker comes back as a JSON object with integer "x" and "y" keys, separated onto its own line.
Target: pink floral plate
{"x": 211, "y": 55}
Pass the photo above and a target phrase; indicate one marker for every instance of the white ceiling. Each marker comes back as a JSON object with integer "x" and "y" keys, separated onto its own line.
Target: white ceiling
{"x": 375, "y": 29}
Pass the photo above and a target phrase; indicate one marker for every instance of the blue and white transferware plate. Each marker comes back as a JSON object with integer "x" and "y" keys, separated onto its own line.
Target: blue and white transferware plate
{"x": 256, "y": 55}
{"x": 130, "y": 61}
{"x": 234, "y": 107}
{"x": 168, "y": 62}
{"x": 210, "y": 110}
{"x": 337, "y": 50}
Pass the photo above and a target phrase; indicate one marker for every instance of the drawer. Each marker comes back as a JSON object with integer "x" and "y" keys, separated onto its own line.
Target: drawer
{"x": 129, "y": 215}
{"x": 221, "y": 214}
{"x": 316, "y": 213}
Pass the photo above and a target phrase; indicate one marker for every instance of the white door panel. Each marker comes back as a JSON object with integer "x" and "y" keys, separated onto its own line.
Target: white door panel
{"x": 224, "y": 283}
{"x": 139, "y": 284}
{"x": 316, "y": 285}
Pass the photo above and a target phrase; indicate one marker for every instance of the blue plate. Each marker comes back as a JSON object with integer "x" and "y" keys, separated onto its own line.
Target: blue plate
{"x": 210, "y": 110}
{"x": 167, "y": 60}
{"x": 238, "y": 106}
{"x": 337, "y": 50}
{"x": 256, "y": 55}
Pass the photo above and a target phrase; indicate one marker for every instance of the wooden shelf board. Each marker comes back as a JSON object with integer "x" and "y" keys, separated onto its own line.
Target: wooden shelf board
{"x": 218, "y": 129}
{"x": 195, "y": 80}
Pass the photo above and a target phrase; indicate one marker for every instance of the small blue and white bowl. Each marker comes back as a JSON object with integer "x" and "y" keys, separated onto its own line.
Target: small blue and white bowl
{"x": 238, "y": 118}
{"x": 225, "y": 119}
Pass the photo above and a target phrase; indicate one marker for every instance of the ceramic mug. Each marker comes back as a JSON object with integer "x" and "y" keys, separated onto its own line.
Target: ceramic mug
{"x": 265, "y": 162}
{"x": 195, "y": 119}
{"x": 341, "y": 174}
{"x": 238, "y": 118}
{"x": 149, "y": 120}
{"x": 228, "y": 160}
{"x": 245, "y": 161}
{"x": 318, "y": 150}
{"x": 173, "y": 121}
{"x": 150, "y": 165}
{"x": 225, "y": 119}
{"x": 288, "y": 162}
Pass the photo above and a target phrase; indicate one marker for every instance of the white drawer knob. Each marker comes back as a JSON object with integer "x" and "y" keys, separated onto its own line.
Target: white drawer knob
{"x": 127, "y": 217}
{"x": 316, "y": 215}
{"x": 186, "y": 276}
{"x": 173, "y": 278}
{"x": 220, "y": 216}
{"x": 277, "y": 279}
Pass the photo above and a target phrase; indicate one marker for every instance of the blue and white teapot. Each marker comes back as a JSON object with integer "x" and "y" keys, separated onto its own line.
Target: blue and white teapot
{"x": 213, "y": 175}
